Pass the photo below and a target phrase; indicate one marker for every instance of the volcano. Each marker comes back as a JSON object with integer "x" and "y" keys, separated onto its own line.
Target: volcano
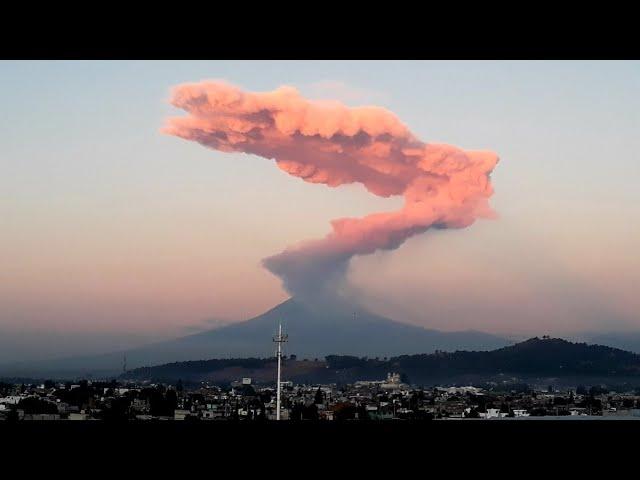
{"x": 315, "y": 328}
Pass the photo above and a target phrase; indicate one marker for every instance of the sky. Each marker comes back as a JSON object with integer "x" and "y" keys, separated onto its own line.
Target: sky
{"x": 113, "y": 234}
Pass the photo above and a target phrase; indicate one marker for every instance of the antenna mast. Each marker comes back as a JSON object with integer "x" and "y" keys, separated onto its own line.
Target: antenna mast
{"x": 279, "y": 339}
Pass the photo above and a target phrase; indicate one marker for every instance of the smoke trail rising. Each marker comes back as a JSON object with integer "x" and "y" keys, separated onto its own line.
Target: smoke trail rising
{"x": 327, "y": 142}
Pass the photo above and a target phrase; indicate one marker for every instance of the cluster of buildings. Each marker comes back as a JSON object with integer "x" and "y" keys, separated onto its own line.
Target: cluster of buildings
{"x": 389, "y": 399}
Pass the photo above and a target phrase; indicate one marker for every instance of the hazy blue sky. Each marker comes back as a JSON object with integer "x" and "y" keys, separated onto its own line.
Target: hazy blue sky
{"x": 112, "y": 233}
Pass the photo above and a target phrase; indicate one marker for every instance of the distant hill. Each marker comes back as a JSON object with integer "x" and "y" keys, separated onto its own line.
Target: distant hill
{"x": 551, "y": 357}
{"x": 536, "y": 357}
{"x": 626, "y": 341}
{"x": 325, "y": 327}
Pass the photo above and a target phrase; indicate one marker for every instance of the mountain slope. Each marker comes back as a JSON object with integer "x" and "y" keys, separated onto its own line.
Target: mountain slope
{"x": 319, "y": 330}
{"x": 315, "y": 330}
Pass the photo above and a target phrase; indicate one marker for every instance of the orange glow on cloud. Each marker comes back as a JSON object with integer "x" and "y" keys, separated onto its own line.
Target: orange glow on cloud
{"x": 329, "y": 143}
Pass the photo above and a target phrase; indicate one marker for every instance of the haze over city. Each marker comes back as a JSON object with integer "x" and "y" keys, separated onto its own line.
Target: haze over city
{"x": 115, "y": 234}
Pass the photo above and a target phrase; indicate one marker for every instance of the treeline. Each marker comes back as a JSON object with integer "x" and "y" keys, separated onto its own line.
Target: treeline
{"x": 194, "y": 368}
{"x": 546, "y": 356}
{"x": 537, "y": 356}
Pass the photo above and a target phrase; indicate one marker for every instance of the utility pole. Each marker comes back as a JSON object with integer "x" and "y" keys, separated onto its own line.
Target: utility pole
{"x": 279, "y": 339}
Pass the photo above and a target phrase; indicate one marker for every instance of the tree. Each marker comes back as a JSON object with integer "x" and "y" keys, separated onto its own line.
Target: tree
{"x": 159, "y": 406}
{"x": 362, "y": 413}
{"x": 319, "y": 397}
{"x": 246, "y": 391}
{"x": 5, "y": 388}
{"x": 473, "y": 413}
{"x": 414, "y": 401}
{"x": 172, "y": 400}
{"x": 310, "y": 412}
{"x": 265, "y": 397}
{"x": 296, "y": 412}
{"x": 118, "y": 410}
{"x": 34, "y": 405}
{"x": 263, "y": 413}
{"x": 344, "y": 411}
{"x": 539, "y": 412}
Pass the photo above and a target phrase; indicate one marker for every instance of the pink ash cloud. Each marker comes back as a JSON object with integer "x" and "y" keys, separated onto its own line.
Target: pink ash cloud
{"x": 327, "y": 142}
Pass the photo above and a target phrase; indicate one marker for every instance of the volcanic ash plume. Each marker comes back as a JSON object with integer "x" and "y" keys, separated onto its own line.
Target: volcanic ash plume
{"x": 327, "y": 142}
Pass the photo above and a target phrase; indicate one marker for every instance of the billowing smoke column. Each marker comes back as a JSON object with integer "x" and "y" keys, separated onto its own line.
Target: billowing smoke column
{"x": 327, "y": 142}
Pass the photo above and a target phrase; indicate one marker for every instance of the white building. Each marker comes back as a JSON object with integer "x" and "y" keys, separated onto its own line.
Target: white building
{"x": 493, "y": 413}
{"x": 180, "y": 414}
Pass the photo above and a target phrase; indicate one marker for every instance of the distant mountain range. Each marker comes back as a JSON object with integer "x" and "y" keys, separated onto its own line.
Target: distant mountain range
{"x": 315, "y": 329}
{"x": 623, "y": 340}
{"x": 537, "y": 358}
